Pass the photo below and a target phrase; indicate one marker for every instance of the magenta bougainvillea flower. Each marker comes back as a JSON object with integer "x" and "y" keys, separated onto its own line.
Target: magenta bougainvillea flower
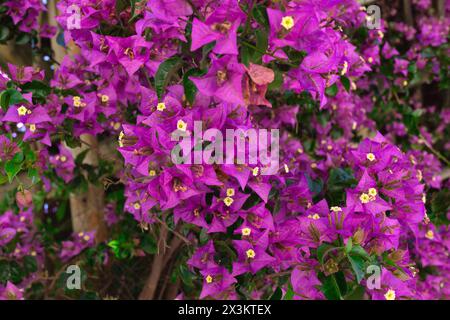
{"x": 223, "y": 80}
{"x": 89, "y": 149}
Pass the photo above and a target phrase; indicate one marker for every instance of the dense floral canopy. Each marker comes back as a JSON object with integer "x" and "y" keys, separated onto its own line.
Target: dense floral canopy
{"x": 363, "y": 179}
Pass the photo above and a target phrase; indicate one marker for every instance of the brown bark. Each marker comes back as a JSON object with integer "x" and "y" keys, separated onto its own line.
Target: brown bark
{"x": 151, "y": 284}
{"x": 87, "y": 209}
{"x": 172, "y": 290}
{"x": 162, "y": 265}
{"x": 441, "y": 8}
{"x": 407, "y": 11}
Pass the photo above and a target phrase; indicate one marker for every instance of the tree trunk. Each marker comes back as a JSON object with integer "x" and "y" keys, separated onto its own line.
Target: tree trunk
{"x": 151, "y": 284}
{"x": 407, "y": 12}
{"x": 87, "y": 209}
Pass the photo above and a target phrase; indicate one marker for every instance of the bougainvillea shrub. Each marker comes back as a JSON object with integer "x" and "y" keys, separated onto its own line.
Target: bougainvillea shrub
{"x": 357, "y": 206}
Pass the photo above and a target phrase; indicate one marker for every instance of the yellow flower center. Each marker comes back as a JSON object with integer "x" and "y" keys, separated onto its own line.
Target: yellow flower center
{"x": 364, "y": 198}
{"x": 181, "y": 125}
{"x": 430, "y": 234}
{"x": 152, "y": 173}
{"x": 63, "y": 159}
{"x": 286, "y": 168}
{"x": 315, "y": 216}
{"x": 336, "y": 209}
{"x": 373, "y": 192}
{"x": 209, "y": 279}
{"x": 390, "y": 295}
{"x": 228, "y": 201}
{"x": 246, "y": 231}
{"x": 370, "y": 157}
{"x": 161, "y": 106}
{"x": 77, "y": 102}
{"x": 22, "y": 111}
{"x": 230, "y": 192}
{"x": 86, "y": 238}
{"x": 250, "y": 253}
{"x": 287, "y": 22}
{"x": 136, "y": 206}
{"x": 345, "y": 68}
{"x": 105, "y": 98}
{"x": 32, "y": 127}
{"x": 255, "y": 171}
{"x": 121, "y": 135}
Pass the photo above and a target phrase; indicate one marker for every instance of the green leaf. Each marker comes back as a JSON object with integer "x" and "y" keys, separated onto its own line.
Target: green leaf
{"x": 4, "y": 33}
{"x": 440, "y": 205}
{"x": 30, "y": 154}
{"x": 277, "y": 82}
{"x": 10, "y": 97}
{"x": 72, "y": 141}
{"x": 261, "y": 44}
{"x": 23, "y": 38}
{"x": 148, "y": 244}
{"x": 190, "y": 90}
{"x": 165, "y": 72}
{"x": 289, "y": 293}
{"x": 315, "y": 186}
{"x": 33, "y": 174}
{"x": 341, "y": 282}
{"x": 133, "y": 12}
{"x": 12, "y": 168}
{"x": 186, "y": 275}
{"x": 30, "y": 264}
{"x": 207, "y": 48}
{"x": 245, "y": 54}
{"x": 339, "y": 180}
{"x": 61, "y": 212}
{"x": 80, "y": 157}
{"x": 260, "y": 15}
{"x": 332, "y": 91}
{"x": 323, "y": 250}
{"x": 359, "y": 251}
{"x": 37, "y": 88}
{"x": 358, "y": 266}
{"x": 356, "y": 294}
{"x": 345, "y": 83}
{"x": 3, "y": 179}
{"x": 330, "y": 288}
{"x": 113, "y": 244}
{"x": 277, "y": 295}
{"x": 349, "y": 245}
{"x": 121, "y": 5}
{"x": 4, "y": 271}
{"x": 18, "y": 157}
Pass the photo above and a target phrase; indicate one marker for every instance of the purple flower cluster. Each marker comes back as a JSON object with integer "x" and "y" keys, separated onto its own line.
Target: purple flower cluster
{"x": 343, "y": 199}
